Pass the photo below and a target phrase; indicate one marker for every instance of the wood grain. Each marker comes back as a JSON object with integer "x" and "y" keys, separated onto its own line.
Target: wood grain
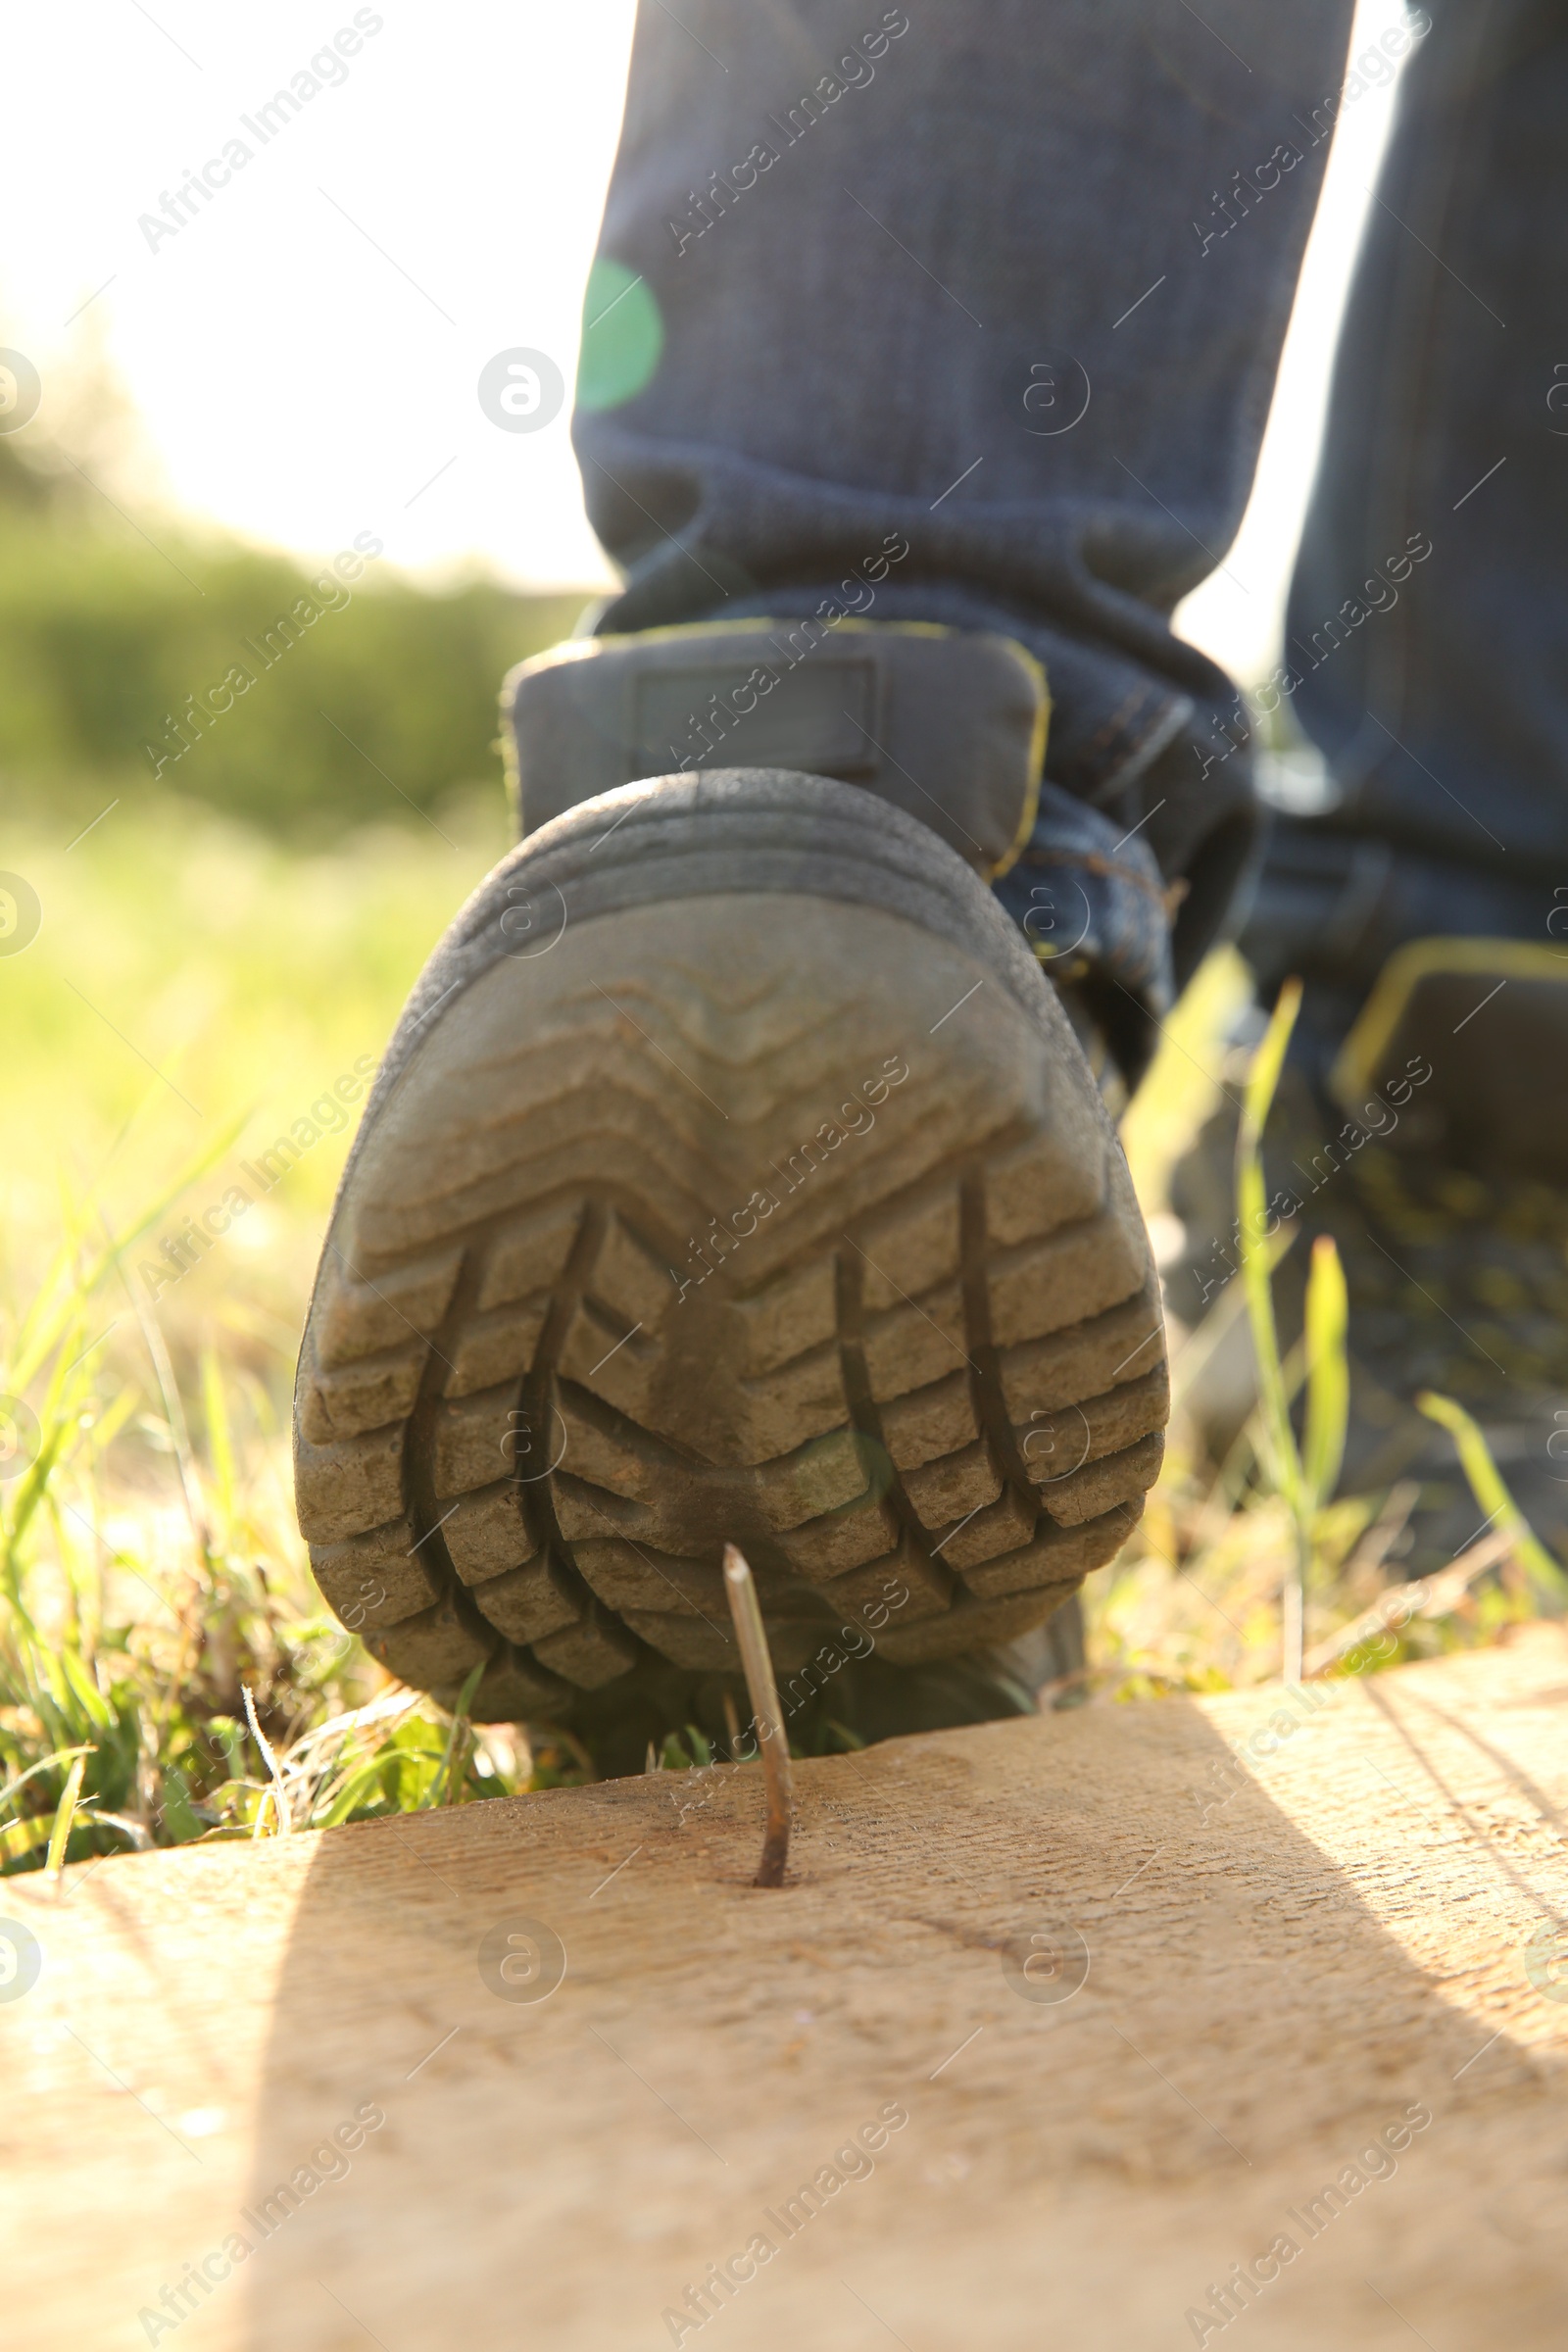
{"x": 1287, "y": 1952}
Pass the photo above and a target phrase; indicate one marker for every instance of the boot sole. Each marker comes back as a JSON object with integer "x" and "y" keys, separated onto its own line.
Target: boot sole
{"x": 734, "y": 1176}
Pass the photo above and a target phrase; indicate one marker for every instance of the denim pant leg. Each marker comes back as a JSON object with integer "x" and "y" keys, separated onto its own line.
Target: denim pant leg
{"x": 1004, "y": 279}
{"x": 1427, "y": 620}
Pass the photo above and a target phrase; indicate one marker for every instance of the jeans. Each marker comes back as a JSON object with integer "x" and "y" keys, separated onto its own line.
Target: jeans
{"x": 1010, "y": 278}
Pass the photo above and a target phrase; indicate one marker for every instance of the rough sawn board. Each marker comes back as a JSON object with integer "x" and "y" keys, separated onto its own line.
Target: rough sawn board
{"x": 1292, "y": 1957}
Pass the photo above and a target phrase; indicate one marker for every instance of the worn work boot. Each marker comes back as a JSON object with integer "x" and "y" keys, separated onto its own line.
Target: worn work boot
{"x": 736, "y": 1173}
{"x": 1422, "y": 1120}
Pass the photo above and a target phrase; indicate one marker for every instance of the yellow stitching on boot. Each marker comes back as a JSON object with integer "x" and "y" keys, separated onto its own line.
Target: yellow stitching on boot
{"x": 577, "y": 648}
{"x": 1037, "y": 761}
{"x": 1378, "y": 1020}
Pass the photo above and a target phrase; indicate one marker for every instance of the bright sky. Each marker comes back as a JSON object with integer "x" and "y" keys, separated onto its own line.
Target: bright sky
{"x": 1238, "y": 614}
{"x": 305, "y": 352}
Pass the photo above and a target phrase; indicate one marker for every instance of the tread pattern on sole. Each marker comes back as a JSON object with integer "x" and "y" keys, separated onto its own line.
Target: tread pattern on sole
{"x": 552, "y": 1365}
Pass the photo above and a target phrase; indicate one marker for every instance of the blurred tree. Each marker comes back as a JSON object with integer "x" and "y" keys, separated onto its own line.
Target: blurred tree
{"x": 119, "y": 626}
{"x": 113, "y": 654}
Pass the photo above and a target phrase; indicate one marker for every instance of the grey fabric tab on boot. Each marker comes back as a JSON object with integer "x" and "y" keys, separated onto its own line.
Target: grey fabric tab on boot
{"x": 947, "y": 724}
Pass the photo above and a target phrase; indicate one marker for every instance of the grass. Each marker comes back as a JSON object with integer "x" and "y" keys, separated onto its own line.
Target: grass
{"x": 168, "y": 1672}
{"x": 167, "y": 1669}
{"x": 161, "y": 1646}
{"x": 1267, "y": 1546}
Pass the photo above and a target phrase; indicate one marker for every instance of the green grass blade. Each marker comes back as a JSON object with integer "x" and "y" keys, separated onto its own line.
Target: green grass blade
{"x": 61, "y": 1755}
{"x": 90, "y": 1700}
{"x": 1281, "y": 1458}
{"x": 65, "y": 1817}
{"x": 440, "y": 1791}
{"x": 356, "y": 1789}
{"x": 19, "y": 1839}
{"x": 1490, "y": 1489}
{"x": 1328, "y": 1374}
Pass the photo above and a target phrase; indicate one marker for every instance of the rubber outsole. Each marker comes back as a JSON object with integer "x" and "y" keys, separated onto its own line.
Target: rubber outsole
{"x": 714, "y": 1207}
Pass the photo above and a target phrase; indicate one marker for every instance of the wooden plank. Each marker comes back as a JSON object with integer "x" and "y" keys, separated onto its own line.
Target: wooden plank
{"x": 1292, "y": 1958}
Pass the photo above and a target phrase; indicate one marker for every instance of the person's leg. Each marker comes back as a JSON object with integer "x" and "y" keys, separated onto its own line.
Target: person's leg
{"x": 735, "y": 1173}
{"x": 1424, "y": 634}
{"x": 1010, "y": 281}
{"x": 1423, "y": 1119}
